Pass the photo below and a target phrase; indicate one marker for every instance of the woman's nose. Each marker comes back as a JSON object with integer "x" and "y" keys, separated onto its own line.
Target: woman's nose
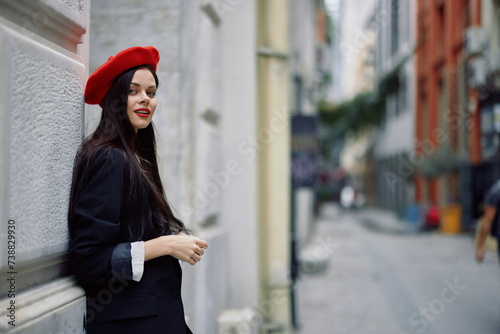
{"x": 144, "y": 98}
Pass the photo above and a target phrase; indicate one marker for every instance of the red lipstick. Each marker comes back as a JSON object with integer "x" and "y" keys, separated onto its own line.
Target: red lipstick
{"x": 142, "y": 112}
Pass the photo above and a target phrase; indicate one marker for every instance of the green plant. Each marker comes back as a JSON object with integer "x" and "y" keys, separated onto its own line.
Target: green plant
{"x": 365, "y": 110}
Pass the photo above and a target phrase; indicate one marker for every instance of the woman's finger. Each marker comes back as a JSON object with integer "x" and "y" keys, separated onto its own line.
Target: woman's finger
{"x": 196, "y": 257}
{"x": 193, "y": 260}
{"x": 199, "y": 251}
{"x": 201, "y": 243}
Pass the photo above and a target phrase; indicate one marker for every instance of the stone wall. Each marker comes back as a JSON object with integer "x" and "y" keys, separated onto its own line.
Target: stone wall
{"x": 43, "y": 55}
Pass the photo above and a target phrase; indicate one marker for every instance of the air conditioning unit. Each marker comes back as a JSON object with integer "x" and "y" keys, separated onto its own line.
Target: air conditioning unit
{"x": 477, "y": 72}
{"x": 239, "y": 321}
{"x": 475, "y": 40}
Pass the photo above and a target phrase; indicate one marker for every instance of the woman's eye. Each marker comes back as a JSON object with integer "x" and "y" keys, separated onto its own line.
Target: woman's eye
{"x": 152, "y": 94}
{"x": 132, "y": 91}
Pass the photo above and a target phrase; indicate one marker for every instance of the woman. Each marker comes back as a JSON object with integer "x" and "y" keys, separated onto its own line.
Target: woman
{"x": 125, "y": 242}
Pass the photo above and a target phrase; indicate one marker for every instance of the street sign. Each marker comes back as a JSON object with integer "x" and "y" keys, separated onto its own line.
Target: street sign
{"x": 304, "y": 150}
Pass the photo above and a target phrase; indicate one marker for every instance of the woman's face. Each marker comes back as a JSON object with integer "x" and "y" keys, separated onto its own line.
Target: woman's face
{"x": 141, "y": 103}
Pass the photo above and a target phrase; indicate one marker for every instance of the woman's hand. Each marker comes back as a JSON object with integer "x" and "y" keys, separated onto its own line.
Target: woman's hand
{"x": 181, "y": 246}
{"x": 187, "y": 248}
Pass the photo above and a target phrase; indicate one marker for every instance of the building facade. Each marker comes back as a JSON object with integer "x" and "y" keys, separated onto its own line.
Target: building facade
{"x": 43, "y": 65}
{"x": 439, "y": 130}
{"x": 479, "y": 83}
{"x": 393, "y": 23}
{"x": 223, "y": 138}
{"x": 455, "y": 103}
{"x": 378, "y": 40}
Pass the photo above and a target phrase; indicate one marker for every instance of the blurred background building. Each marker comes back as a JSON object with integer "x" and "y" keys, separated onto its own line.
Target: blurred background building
{"x": 417, "y": 125}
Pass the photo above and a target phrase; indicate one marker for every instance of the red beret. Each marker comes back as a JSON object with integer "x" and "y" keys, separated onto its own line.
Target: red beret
{"x": 101, "y": 80}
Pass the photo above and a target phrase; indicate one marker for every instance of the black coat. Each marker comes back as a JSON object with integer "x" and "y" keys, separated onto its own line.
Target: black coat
{"x": 99, "y": 250}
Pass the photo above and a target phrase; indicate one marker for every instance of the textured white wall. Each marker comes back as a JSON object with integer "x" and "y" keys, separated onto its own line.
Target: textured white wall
{"x": 41, "y": 105}
{"x": 44, "y": 100}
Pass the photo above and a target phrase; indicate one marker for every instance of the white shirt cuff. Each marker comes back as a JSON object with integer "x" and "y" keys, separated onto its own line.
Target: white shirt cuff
{"x": 137, "y": 254}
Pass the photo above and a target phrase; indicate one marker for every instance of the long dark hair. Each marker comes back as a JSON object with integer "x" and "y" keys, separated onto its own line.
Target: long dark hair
{"x": 141, "y": 171}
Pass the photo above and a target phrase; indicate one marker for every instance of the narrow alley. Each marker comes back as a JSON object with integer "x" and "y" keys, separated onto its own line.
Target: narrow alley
{"x": 382, "y": 279}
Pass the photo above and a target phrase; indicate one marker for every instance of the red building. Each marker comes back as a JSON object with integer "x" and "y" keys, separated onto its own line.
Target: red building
{"x": 445, "y": 126}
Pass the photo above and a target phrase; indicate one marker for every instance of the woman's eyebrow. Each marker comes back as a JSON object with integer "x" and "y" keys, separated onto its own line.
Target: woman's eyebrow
{"x": 136, "y": 84}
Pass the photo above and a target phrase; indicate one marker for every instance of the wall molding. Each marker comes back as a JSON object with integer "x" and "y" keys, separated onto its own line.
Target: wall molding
{"x": 51, "y": 19}
{"x": 33, "y": 305}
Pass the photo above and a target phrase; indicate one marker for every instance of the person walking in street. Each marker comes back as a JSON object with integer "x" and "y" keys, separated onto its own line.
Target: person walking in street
{"x": 125, "y": 242}
{"x": 489, "y": 220}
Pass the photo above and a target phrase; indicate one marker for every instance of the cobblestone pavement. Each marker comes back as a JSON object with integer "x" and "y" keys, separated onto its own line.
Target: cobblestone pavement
{"x": 381, "y": 279}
